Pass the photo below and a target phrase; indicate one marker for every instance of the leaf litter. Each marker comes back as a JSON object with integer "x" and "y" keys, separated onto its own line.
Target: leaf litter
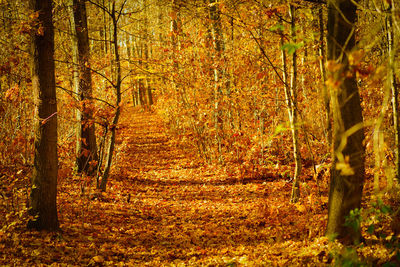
{"x": 166, "y": 207}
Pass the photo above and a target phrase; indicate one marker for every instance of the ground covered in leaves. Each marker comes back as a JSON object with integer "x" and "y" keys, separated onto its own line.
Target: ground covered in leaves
{"x": 165, "y": 206}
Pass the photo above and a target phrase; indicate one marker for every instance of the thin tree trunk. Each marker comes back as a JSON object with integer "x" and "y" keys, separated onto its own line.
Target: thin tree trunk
{"x": 128, "y": 43}
{"x": 43, "y": 197}
{"x": 378, "y": 136}
{"x": 146, "y": 48}
{"x": 394, "y": 89}
{"x": 76, "y": 83}
{"x": 175, "y": 33}
{"x": 322, "y": 60}
{"x": 291, "y": 102}
{"x": 139, "y": 51}
{"x": 105, "y": 29}
{"x": 293, "y": 110}
{"x": 378, "y": 141}
{"x": 216, "y": 30}
{"x": 117, "y": 86}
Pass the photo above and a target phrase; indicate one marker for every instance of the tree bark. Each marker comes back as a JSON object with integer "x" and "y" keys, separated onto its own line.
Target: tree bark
{"x": 291, "y": 103}
{"x": 347, "y": 173}
{"x": 175, "y": 33}
{"x": 322, "y": 60}
{"x": 86, "y": 149}
{"x": 218, "y": 42}
{"x": 293, "y": 116}
{"x": 394, "y": 88}
{"x": 43, "y": 197}
{"x": 117, "y": 87}
{"x": 146, "y": 48}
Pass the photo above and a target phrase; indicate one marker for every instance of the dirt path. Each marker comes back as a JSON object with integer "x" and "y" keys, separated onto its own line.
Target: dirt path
{"x": 180, "y": 210}
{"x": 164, "y": 207}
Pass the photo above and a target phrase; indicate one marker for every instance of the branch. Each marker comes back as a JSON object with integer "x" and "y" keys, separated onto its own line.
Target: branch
{"x": 322, "y": 2}
{"x": 120, "y": 10}
{"x": 263, "y": 52}
{"x": 101, "y": 7}
{"x": 70, "y": 92}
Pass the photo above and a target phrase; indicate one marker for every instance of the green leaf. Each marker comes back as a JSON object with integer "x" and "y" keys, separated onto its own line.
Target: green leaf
{"x": 386, "y": 209}
{"x": 371, "y": 229}
{"x": 291, "y": 48}
{"x": 279, "y": 129}
{"x": 277, "y": 27}
{"x": 353, "y": 220}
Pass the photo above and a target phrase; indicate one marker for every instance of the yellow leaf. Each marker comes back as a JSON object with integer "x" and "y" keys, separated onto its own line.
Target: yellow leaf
{"x": 333, "y": 66}
{"x": 300, "y": 207}
{"x": 98, "y": 259}
{"x": 356, "y": 57}
{"x": 345, "y": 168}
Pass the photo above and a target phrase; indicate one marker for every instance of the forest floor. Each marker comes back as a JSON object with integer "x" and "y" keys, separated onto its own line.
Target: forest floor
{"x": 165, "y": 206}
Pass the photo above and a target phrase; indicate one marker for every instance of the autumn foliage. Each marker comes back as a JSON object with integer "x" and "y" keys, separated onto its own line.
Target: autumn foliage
{"x": 203, "y": 163}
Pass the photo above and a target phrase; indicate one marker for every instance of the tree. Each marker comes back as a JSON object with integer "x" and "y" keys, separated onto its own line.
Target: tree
{"x": 219, "y": 47}
{"x": 347, "y": 173}
{"x": 86, "y": 147}
{"x": 175, "y": 30}
{"x": 393, "y": 85}
{"x": 43, "y": 196}
{"x": 115, "y": 16}
{"x": 291, "y": 100}
{"x": 146, "y": 48}
{"x": 322, "y": 61}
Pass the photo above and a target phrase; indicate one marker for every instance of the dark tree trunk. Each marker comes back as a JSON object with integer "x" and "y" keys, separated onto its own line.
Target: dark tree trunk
{"x": 43, "y": 197}
{"x": 87, "y": 148}
{"x": 347, "y": 174}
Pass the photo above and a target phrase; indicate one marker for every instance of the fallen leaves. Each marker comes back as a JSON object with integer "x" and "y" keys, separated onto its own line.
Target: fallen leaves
{"x": 164, "y": 206}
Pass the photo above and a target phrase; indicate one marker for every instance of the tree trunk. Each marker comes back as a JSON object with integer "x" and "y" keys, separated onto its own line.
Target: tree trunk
{"x": 291, "y": 103}
{"x": 175, "y": 33}
{"x": 43, "y": 197}
{"x": 216, "y": 31}
{"x": 76, "y": 83}
{"x": 394, "y": 89}
{"x": 86, "y": 147}
{"x": 322, "y": 60}
{"x": 293, "y": 110}
{"x": 347, "y": 173}
{"x": 146, "y": 48}
{"x": 117, "y": 87}
{"x": 110, "y": 151}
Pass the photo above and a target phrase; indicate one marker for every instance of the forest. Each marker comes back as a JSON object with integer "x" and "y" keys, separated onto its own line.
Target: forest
{"x": 199, "y": 133}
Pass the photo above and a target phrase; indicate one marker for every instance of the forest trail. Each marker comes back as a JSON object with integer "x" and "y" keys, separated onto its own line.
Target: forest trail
{"x": 163, "y": 207}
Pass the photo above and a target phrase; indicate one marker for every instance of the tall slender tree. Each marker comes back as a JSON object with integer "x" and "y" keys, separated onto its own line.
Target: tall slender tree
{"x": 43, "y": 197}
{"x": 219, "y": 47}
{"x": 393, "y": 83}
{"x": 86, "y": 147}
{"x": 322, "y": 60}
{"x": 291, "y": 99}
{"x": 347, "y": 173}
{"x": 146, "y": 49}
{"x": 115, "y": 15}
{"x": 175, "y": 30}
{"x": 291, "y": 102}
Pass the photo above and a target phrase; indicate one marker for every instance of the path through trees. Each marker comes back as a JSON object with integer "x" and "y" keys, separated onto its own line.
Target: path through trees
{"x": 164, "y": 206}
